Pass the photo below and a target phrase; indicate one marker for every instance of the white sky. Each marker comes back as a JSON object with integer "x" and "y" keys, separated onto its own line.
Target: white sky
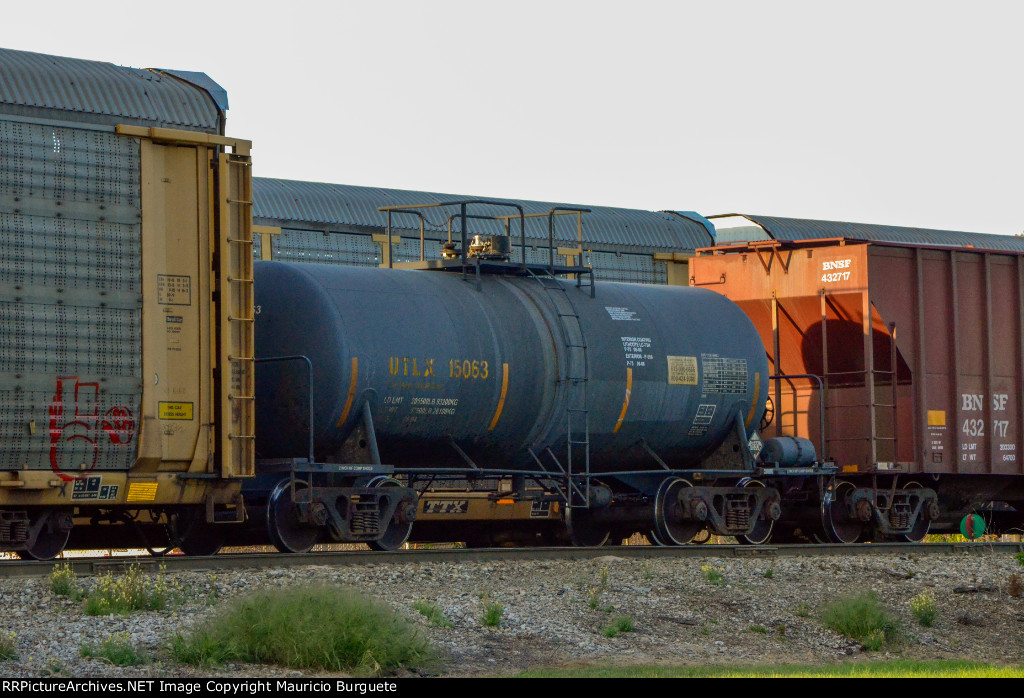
{"x": 907, "y": 113}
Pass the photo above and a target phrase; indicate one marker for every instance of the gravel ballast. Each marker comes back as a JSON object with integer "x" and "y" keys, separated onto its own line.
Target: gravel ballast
{"x": 760, "y": 611}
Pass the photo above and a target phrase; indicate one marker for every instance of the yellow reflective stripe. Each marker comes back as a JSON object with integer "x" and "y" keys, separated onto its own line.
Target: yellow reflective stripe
{"x": 501, "y": 400}
{"x": 753, "y": 405}
{"x": 351, "y": 391}
{"x": 625, "y": 404}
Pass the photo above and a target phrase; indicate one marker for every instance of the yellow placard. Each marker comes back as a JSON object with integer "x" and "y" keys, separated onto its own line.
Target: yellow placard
{"x": 141, "y": 491}
{"x": 936, "y": 418}
{"x": 682, "y": 370}
{"x": 175, "y": 410}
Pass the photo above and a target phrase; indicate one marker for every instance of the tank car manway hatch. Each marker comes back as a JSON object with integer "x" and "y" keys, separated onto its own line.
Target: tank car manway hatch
{"x": 521, "y": 403}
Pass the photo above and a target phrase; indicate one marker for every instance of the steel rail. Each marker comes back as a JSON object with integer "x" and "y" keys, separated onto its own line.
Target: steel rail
{"x": 233, "y": 561}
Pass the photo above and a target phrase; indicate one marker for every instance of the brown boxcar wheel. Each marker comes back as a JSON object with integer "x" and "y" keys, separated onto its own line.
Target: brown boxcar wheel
{"x": 839, "y": 526}
{"x": 286, "y": 531}
{"x": 399, "y": 528}
{"x": 920, "y": 530}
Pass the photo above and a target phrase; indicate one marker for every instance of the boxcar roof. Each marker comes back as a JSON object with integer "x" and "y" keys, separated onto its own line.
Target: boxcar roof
{"x": 324, "y": 206}
{"x": 791, "y": 229}
{"x": 69, "y": 89}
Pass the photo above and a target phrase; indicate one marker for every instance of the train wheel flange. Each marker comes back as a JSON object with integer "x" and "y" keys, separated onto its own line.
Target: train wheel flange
{"x": 584, "y": 530}
{"x": 400, "y": 526}
{"x": 286, "y": 531}
{"x": 668, "y": 529}
{"x": 840, "y": 526}
{"x": 761, "y": 533}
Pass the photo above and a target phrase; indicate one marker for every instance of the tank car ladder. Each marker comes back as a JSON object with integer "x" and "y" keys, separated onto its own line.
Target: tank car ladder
{"x": 577, "y": 372}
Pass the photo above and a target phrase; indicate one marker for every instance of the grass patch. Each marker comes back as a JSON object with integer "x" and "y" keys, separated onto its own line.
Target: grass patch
{"x": 134, "y": 591}
{"x": 63, "y": 581}
{"x": 1020, "y": 558}
{"x": 803, "y": 610}
{"x": 924, "y": 609}
{"x": 863, "y": 618}
{"x": 493, "y": 613}
{"x": 622, "y": 624}
{"x": 315, "y": 627}
{"x": 760, "y": 629}
{"x": 877, "y": 669}
{"x": 116, "y": 649}
{"x": 433, "y": 613}
{"x": 8, "y": 647}
{"x": 712, "y": 575}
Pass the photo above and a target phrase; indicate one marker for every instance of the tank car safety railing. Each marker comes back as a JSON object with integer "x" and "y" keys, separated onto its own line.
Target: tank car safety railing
{"x": 423, "y": 221}
{"x": 309, "y": 375}
{"x": 821, "y": 400}
{"x": 463, "y": 215}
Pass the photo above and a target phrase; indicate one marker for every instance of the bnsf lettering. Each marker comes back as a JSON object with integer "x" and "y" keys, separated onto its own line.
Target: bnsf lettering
{"x": 835, "y": 264}
{"x": 972, "y": 403}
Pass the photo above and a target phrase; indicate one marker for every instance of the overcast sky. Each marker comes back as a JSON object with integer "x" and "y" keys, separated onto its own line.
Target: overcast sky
{"x": 907, "y": 113}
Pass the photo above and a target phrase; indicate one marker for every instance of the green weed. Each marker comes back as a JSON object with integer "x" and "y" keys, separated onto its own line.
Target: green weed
{"x": 863, "y": 618}
{"x": 315, "y": 627}
{"x": 433, "y": 613}
{"x": 621, "y": 624}
{"x": 116, "y": 649}
{"x": 8, "y": 646}
{"x": 712, "y": 575}
{"x": 924, "y": 609}
{"x": 493, "y": 613}
{"x": 63, "y": 581}
{"x": 134, "y": 591}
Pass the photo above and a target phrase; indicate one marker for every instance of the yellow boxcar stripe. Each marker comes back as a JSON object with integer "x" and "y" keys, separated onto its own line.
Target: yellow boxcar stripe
{"x": 351, "y": 391}
{"x": 753, "y": 404}
{"x": 625, "y": 403}
{"x": 501, "y": 400}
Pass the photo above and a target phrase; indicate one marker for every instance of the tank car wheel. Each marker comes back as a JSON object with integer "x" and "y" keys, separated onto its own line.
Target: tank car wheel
{"x": 668, "y": 530}
{"x": 287, "y": 532}
{"x": 920, "y": 529}
{"x": 761, "y": 533}
{"x": 399, "y": 528}
{"x": 584, "y": 531}
{"x": 52, "y": 537}
{"x": 839, "y": 526}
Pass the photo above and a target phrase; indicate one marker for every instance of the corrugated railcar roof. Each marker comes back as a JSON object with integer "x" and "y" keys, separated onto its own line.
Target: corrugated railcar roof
{"x": 808, "y": 229}
{"x": 326, "y": 205}
{"x": 55, "y": 87}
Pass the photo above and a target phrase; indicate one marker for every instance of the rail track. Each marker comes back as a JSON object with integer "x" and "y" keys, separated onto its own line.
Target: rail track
{"x": 231, "y": 561}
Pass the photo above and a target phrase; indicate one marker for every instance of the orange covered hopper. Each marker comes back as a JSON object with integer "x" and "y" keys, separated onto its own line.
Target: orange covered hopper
{"x": 918, "y": 349}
